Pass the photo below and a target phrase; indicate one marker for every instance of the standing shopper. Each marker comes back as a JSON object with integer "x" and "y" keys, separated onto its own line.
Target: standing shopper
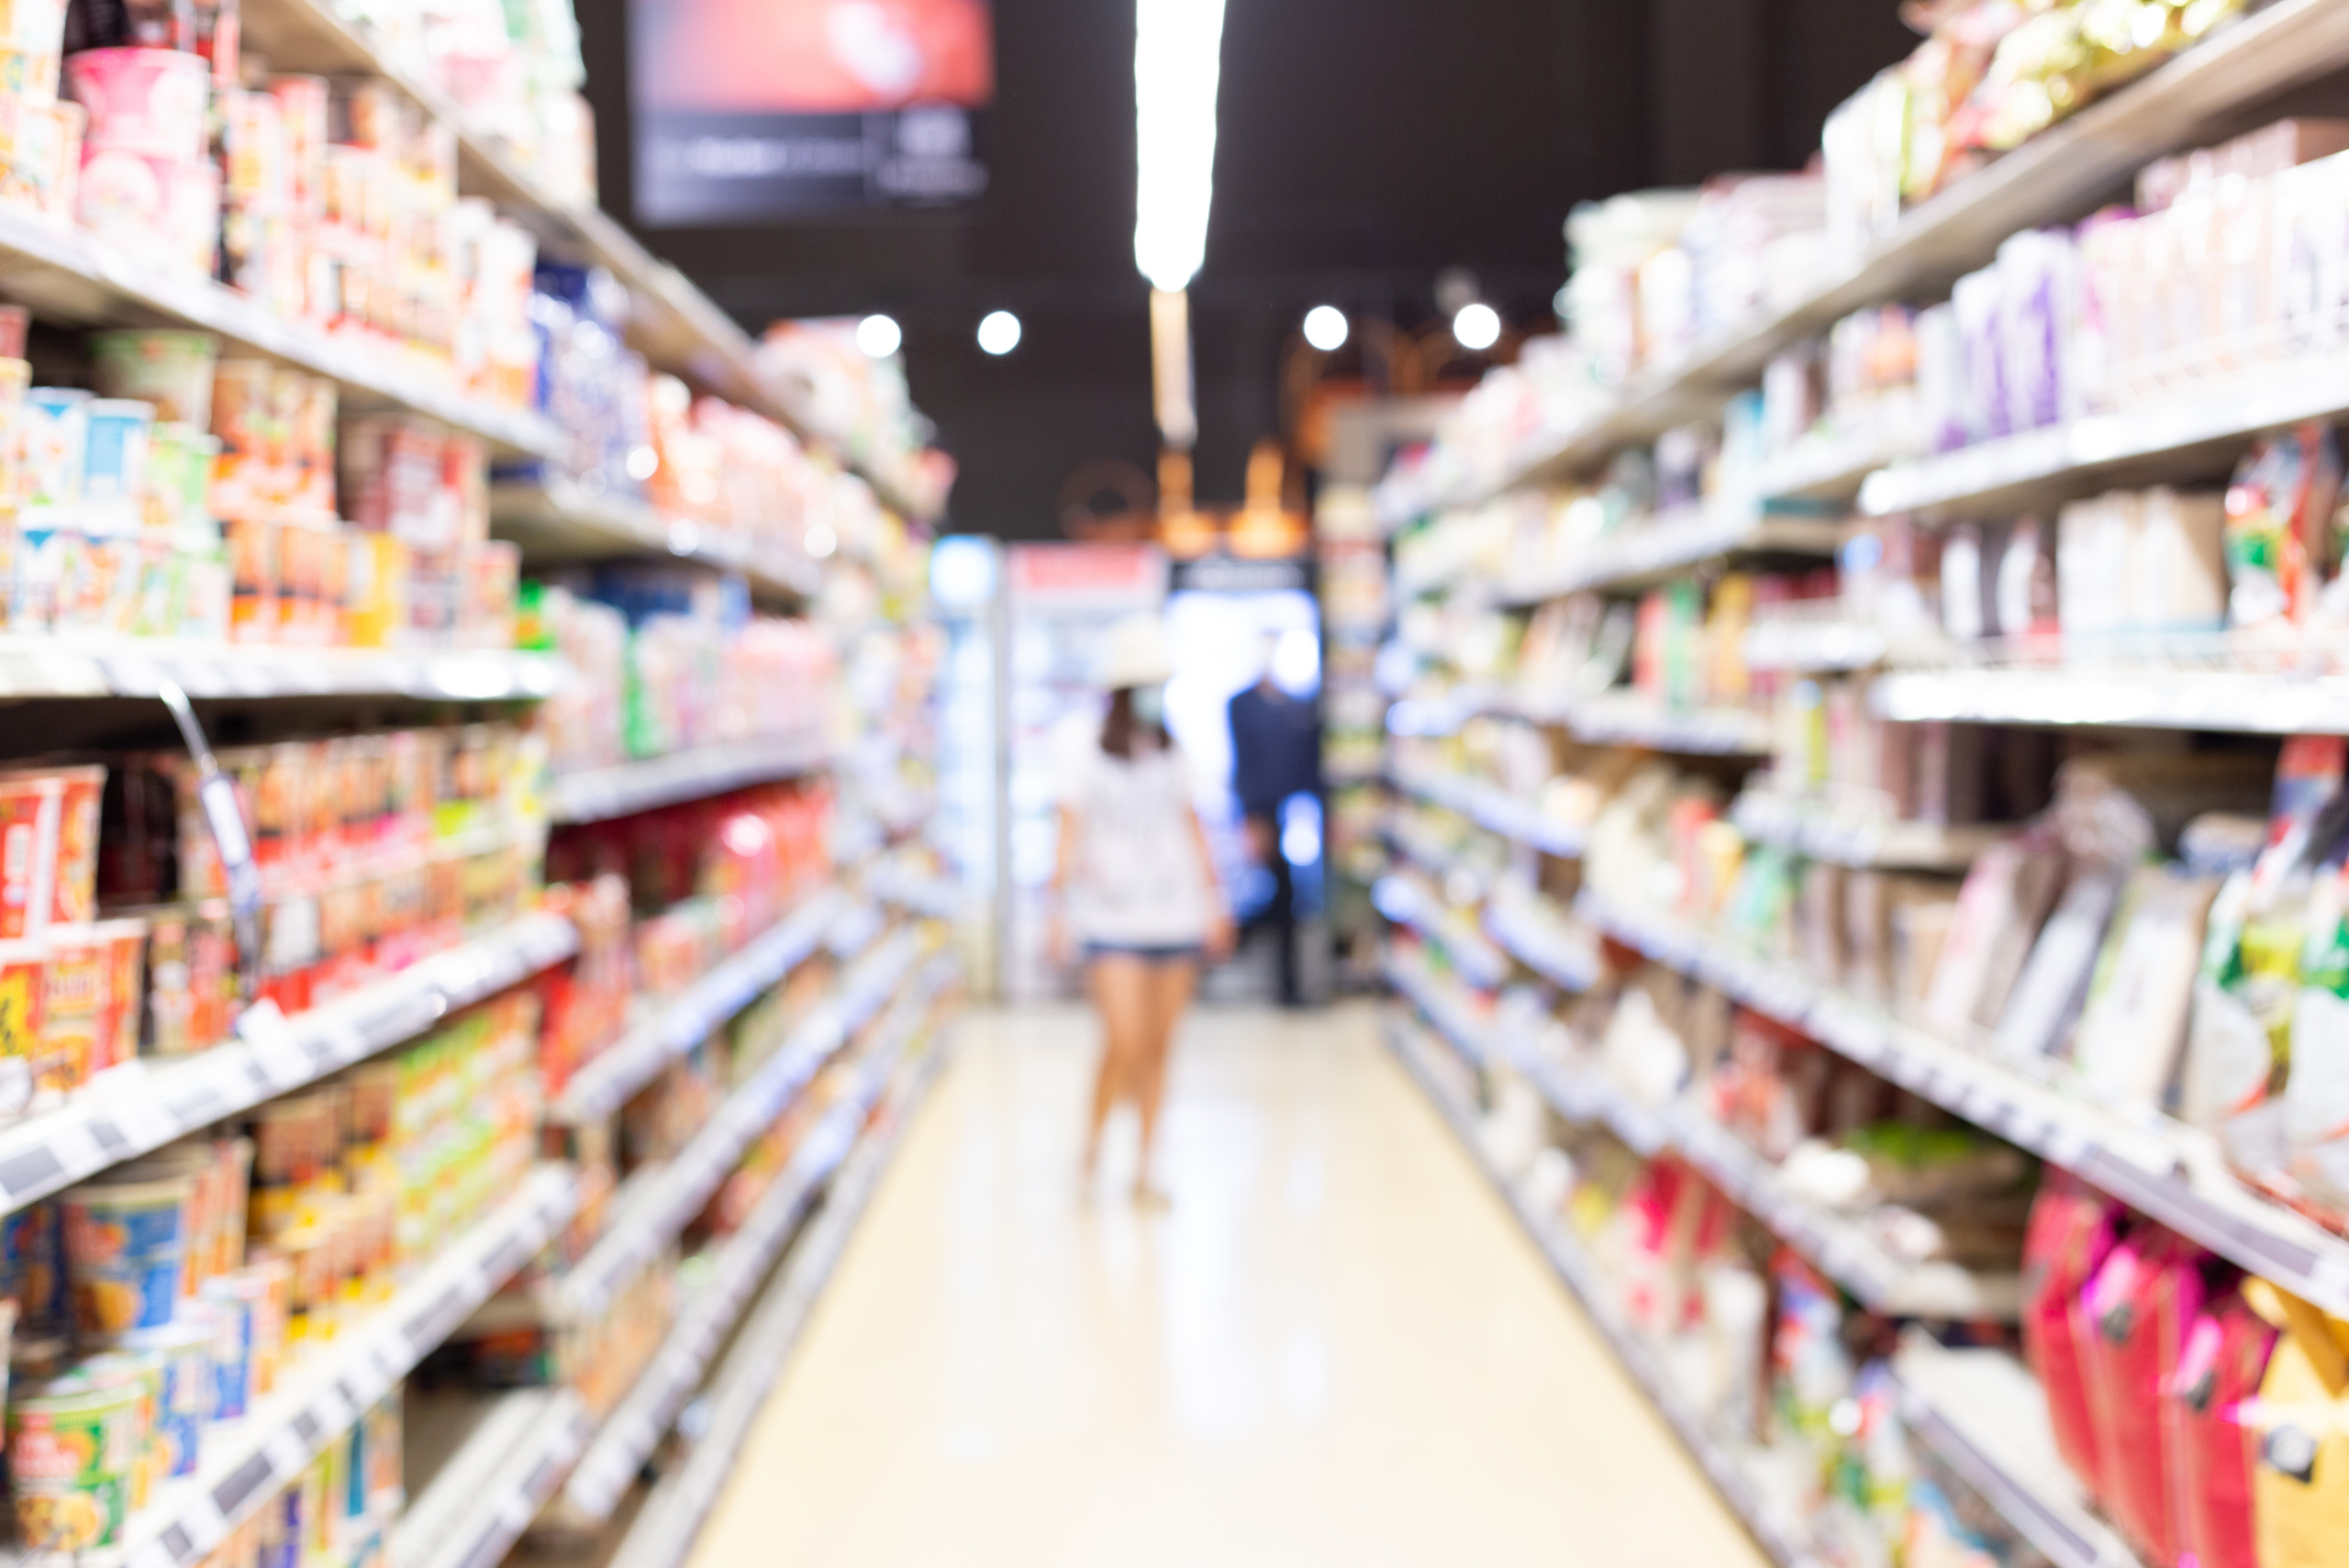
{"x": 1135, "y": 887}
{"x": 1276, "y": 756}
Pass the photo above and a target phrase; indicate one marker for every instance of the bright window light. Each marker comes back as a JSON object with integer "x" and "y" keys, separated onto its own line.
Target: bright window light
{"x": 1178, "y": 50}
{"x": 1326, "y": 327}
{"x": 1477, "y": 326}
{"x": 999, "y": 333}
{"x": 878, "y": 337}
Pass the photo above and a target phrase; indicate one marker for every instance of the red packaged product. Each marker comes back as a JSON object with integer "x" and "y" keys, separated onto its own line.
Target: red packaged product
{"x": 2212, "y": 1445}
{"x": 2136, "y": 1313}
{"x": 2072, "y": 1230}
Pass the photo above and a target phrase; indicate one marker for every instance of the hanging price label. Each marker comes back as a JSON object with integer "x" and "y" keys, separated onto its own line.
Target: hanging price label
{"x": 276, "y": 1049}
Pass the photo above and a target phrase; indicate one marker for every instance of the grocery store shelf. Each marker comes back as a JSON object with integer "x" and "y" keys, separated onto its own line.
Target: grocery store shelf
{"x": 1840, "y": 1247}
{"x": 671, "y": 322}
{"x": 931, "y": 897}
{"x": 601, "y": 793}
{"x": 1805, "y": 646}
{"x": 1984, "y": 1413}
{"x": 1408, "y": 901}
{"x": 1493, "y": 809}
{"x": 654, "y": 1207}
{"x": 2159, "y": 1167}
{"x": 1545, "y": 944}
{"x": 1825, "y": 468}
{"x": 1783, "y": 1539}
{"x": 1861, "y": 840}
{"x": 2242, "y": 701}
{"x": 2057, "y": 176}
{"x": 72, "y": 277}
{"x": 556, "y": 521}
{"x": 2195, "y": 436}
{"x": 1639, "y": 553}
{"x": 149, "y": 1102}
{"x": 246, "y": 1463}
{"x": 610, "y": 1080}
{"x": 664, "y": 1530}
{"x": 610, "y": 1467}
{"x": 1618, "y": 717}
{"x": 487, "y": 1492}
{"x": 67, "y": 665}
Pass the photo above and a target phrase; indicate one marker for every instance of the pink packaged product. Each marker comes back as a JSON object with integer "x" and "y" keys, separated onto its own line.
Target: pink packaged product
{"x": 150, "y": 102}
{"x": 2072, "y": 1231}
{"x": 2135, "y": 1317}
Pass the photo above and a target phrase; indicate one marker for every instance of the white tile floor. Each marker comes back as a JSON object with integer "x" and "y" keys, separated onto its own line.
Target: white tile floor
{"x": 1336, "y": 1347}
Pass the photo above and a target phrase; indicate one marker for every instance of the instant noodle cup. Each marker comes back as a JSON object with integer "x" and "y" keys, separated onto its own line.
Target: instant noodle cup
{"x": 125, "y": 1246}
{"x": 33, "y": 1267}
{"x": 55, "y": 435}
{"x": 36, "y": 26}
{"x": 73, "y": 1455}
{"x": 268, "y": 1283}
{"x": 73, "y": 998}
{"x": 172, "y": 371}
{"x": 24, "y": 984}
{"x": 128, "y": 198}
{"x": 234, "y": 1306}
{"x": 187, "y": 1393}
{"x": 114, "y": 471}
{"x": 149, "y": 103}
{"x": 145, "y": 1371}
{"x": 123, "y": 943}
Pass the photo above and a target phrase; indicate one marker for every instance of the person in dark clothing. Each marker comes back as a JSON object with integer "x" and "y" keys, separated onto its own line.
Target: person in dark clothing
{"x": 1275, "y": 754}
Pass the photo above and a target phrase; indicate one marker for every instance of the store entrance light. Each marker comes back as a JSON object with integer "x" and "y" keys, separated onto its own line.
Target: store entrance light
{"x": 1326, "y": 327}
{"x": 878, "y": 337}
{"x": 1477, "y": 326}
{"x": 999, "y": 333}
{"x": 1178, "y": 50}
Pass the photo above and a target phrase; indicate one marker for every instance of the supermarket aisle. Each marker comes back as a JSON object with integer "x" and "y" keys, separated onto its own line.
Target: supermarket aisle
{"x": 1335, "y": 1348}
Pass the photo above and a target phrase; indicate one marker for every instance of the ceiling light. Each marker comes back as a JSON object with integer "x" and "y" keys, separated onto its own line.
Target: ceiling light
{"x": 1326, "y": 327}
{"x": 1178, "y": 49}
{"x": 878, "y": 337}
{"x": 999, "y": 333}
{"x": 1477, "y": 326}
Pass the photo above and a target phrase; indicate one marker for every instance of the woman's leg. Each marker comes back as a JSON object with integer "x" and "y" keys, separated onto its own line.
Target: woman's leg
{"x": 1170, "y": 988}
{"x": 1120, "y": 985}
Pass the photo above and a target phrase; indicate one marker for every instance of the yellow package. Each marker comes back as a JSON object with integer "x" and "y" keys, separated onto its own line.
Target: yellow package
{"x": 2300, "y": 1481}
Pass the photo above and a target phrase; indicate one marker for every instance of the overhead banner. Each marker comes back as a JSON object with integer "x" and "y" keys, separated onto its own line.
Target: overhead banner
{"x": 747, "y": 111}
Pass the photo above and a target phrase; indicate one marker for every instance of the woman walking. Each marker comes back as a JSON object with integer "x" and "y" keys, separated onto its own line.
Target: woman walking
{"x": 1135, "y": 887}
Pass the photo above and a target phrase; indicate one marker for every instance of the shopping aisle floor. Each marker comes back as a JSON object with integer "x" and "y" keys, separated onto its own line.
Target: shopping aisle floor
{"x": 1334, "y": 1347}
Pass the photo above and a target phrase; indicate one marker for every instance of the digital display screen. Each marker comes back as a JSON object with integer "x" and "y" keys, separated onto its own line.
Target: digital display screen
{"x": 747, "y": 111}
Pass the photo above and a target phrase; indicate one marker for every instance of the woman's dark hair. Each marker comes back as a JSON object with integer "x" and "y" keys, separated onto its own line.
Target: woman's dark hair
{"x": 1121, "y": 728}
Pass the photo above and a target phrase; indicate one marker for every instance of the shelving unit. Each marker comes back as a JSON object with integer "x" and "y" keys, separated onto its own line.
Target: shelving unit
{"x": 244, "y": 1462}
{"x": 1543, "y": 942}
{"x": 1642, "y": 553}
{"x": 1731, "y": 1473}
{"x": 698, "y": 774}
{"x": 1492, "y": 810}
{"x": 627, "y": 1439}
{"x": 555, "y": 522}
{"x": 1409, "y": 902}
{"x": 1858, "y": 840}
{"x": 656, "y": 1206}
{"x": 68, "y": 666}
{"x": 666, "y": 1527}
{"x": 490, "y": 1489}
{"x": 2242, "y": 701}
{"x": 2058, "y": 176}
{"x": 149, "y": 1102}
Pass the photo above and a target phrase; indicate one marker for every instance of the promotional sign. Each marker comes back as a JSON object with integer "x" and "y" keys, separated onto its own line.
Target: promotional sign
{"x": 747, "y": 111}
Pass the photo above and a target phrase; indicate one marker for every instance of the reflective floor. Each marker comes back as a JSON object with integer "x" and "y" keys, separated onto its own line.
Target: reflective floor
{"x": 1334, "y": 1347}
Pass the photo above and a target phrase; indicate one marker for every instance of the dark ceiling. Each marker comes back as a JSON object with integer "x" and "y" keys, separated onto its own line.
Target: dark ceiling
{"x": 1364, "y": 146}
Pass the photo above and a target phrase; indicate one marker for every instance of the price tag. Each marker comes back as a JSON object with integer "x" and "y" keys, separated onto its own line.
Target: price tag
{"x": 276, "y": 1049}
{"x": 128, "y": 1098}
{"x": 286, "y": 1454}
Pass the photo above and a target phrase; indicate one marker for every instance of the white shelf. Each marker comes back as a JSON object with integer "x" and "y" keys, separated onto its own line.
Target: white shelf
{"x": 1825, "y": 468}
{"x": 559, "y": 522}
{"x": 69, "y": 665}
{"x": 1859, "y": 839}
{"x": 664, "y": 1530}
{"x": 488, "y": 1492}
{"x": 2157, "y": 1166}
{"x": 1627, "y": 719}
{"x": 1783, "y": 1539}
{"x": 70, "y": 276}
{"x": 1984, "y": 1414}
{"x": 672, "y": 323}
{"x": 1495, "y": 810}
{"x": 1409, "y": 902}
{"x": 610, "y": 1080}
{"x": 151, "y": 1101}
{"x": 1807, "y": 646}
{"x": 2249, "y": 702}
{"x": 658, "y": 1205}
{"x": 931, "y": 897}
{"x": 2055, "y": 177}
{"x": 626, "y": 1440}
{"x": 624, "y": 790}
{"x": 246, "y": 1463}
{"x": 2194, "y": 436}
{"x": 1840, "y": 1247}
{"x": 1544, "y": 943}
{"x": 1643, "y": 553}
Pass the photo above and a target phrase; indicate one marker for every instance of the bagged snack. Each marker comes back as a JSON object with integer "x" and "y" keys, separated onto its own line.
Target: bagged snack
{"x": 2212, "y": 1439}
{"x": 2280, "y": 507}
{"x": 2072, "y": 1231}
